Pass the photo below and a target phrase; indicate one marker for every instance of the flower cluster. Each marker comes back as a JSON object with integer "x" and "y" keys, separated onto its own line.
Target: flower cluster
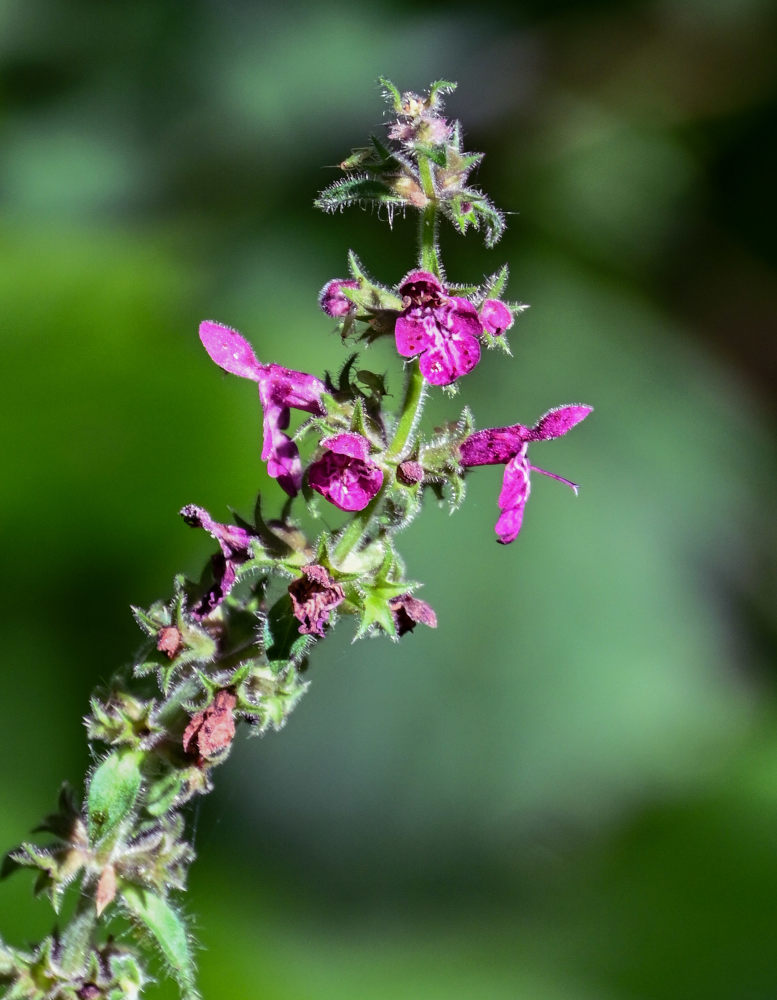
{"x": 231, "y": 647}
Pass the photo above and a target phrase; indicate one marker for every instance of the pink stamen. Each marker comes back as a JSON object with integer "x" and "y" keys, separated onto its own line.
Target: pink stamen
{"x": 568, "y": 482}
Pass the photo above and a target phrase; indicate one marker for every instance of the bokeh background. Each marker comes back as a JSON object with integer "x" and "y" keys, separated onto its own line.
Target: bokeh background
{"x": 569, "y": 790}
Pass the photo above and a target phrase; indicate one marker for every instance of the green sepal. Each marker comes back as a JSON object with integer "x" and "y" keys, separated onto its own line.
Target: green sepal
{"x": 372, "y": 599}
{"x": 33, "y": 974}
{"x": 359, "y": 424}
{"x": 57, "y": 868}
{"x": 113, "y": 791}
{"x": 370, "y": 294}
{"x": 498, "y": 341}
{"x": 494, "y": 285}
{"x": 166, "y": 792}
{"x": 121, "y": 719}
{"x": 268, "y": 695}
{"x": 166, "y": 927}
{"x": 440, "y": 87}
{"x": 487, "y": 216}
{"x": 391, "y": 93}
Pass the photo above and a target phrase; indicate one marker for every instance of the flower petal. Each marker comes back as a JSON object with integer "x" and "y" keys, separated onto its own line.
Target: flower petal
{"x": 415, "y": 331}
{"x": 516, "y": 487}
{"x": 495, "y": 317}
{"x": 451, "y": 357}
{"x": 348, "y": 482}
{"x": 355, "y": 445}
{"x": 333, "y": 299}
{"x": 314, "y": 595}
{"x": 230, "y": 350}
{"x": 558, "y": 421}
{"x": 420, "y": 287}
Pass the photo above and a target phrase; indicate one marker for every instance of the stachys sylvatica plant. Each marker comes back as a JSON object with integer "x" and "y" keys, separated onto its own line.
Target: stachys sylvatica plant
{"x": 231, "y": 647}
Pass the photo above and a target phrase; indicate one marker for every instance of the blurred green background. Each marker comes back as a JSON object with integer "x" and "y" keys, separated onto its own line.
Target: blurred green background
{"x": 569, "y": 790}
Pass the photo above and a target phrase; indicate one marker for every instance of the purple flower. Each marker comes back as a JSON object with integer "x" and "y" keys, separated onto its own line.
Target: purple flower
{"x": 509, "y": 445}
{"x": 442, "y": 329}
{"x": 344, "y": 474}
{"x": 280, "y": 391}
{"x": 495, "y": 317}
{"x": 333, "y": 300}
{"x": 408, "y": 611}
{"x": 314, "y": 596}
{"x": 235, "y": 545}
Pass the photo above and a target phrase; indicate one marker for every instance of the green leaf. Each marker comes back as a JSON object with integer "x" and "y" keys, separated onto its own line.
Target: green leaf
{"x": 356, "y": 190}
{"x": 113, "y": 791}
{"x": 167, "y": 929}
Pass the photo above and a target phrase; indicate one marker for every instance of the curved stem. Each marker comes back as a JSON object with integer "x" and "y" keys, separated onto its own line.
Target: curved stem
{"x": 410, "y": 413}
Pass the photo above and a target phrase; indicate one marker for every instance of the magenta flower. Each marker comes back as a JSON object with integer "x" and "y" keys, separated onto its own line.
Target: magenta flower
{"x": 235, "y": 545}
{"x": 344, "y": 474}
{"x": 509, "y": 445}
{"x": 314, "y": 596}
{"x": 442, "y": 329}
{"x": 280, "y": 391}
{"x": 495, "y": 317}
{"x": 333, "y": 300}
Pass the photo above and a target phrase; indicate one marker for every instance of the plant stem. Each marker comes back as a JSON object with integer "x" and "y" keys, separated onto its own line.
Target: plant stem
{"x": 77, "y": 936}
{"x": 410, "y": 413}
{"x": 428, "y": 251}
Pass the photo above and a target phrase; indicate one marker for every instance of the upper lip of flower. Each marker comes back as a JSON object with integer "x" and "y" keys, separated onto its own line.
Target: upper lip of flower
{"x": 345, "y": 474}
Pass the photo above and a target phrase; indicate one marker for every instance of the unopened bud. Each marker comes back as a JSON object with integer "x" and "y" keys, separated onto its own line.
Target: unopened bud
{"x": 410, "y": 473}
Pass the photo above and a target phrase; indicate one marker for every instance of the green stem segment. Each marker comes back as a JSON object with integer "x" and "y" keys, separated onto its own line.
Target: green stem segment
{"x": 428, "y": 250}
{"x": 77, "y": 937}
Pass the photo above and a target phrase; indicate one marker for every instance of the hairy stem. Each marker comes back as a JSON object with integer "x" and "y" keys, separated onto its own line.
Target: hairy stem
{"x": 428, "y": 249}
